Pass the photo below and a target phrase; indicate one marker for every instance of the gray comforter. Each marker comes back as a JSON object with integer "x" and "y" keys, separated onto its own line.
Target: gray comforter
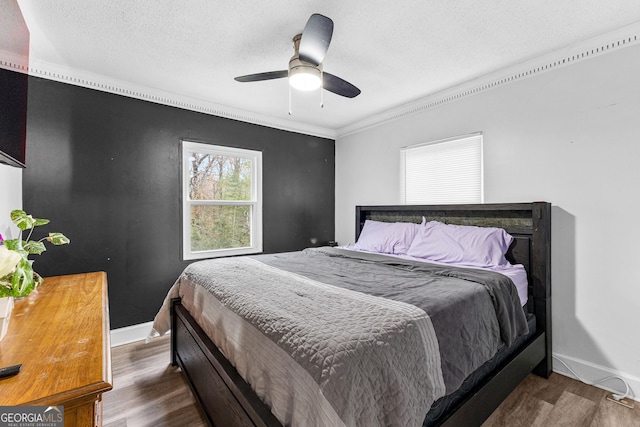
{"x": 474, "y": 312}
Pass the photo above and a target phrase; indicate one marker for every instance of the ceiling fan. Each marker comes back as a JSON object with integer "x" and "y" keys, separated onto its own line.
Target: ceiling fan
{"x": 305, "y": 66}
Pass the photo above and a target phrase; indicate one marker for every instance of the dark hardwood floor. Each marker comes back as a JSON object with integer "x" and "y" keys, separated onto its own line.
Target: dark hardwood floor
{"x": 147, "y": 391}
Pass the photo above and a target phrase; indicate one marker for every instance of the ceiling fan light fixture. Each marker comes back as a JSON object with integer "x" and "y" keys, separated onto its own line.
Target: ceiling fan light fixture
{"x": 305, "y": 70}
{"x": 305, "y": 78}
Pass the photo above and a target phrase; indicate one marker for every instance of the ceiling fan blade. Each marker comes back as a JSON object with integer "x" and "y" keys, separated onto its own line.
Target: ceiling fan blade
{"x": 315, "y": 40}
{"x": 270, "y": 75}
{"x": 338, "y": 86}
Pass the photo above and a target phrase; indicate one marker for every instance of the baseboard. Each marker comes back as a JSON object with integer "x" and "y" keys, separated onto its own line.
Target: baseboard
{"x": 595, "y": 373}
{"x": 130, "y": 334}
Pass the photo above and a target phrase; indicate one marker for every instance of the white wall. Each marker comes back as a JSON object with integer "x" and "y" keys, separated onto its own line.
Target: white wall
{"x": 571, "y": 137}
{"x": 10, "y": 198}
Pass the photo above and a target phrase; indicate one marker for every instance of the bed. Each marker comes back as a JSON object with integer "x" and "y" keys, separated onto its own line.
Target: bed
{"x": 462, "y": 395}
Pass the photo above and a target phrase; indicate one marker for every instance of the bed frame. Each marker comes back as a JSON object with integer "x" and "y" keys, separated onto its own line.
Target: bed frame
{"x": 227, "y": 400}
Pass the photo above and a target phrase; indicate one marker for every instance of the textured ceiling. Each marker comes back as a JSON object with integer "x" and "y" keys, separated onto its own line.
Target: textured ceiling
{"x": 395, "y": 52}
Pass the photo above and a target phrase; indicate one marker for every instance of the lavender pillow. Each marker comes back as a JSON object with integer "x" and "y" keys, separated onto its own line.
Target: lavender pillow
{"x": 386, "y": 237}
{"x": 461, "y": 244}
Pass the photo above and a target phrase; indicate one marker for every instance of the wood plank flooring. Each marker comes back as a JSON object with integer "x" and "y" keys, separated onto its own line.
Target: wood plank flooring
{"x": 148, "y": 391}
{"x": 561, "y": 401}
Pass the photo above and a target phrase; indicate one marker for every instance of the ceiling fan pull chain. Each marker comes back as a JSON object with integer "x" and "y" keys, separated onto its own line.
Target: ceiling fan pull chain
{"x": 290, "y": 100}
{"x": 321, "y": 87}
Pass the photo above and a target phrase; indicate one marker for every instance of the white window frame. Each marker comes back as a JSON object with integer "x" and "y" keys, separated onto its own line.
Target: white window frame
{"x": 255, "y": 202}
{"x": 440, "y": 171}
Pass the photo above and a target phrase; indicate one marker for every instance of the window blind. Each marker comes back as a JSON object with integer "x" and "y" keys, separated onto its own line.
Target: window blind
{"x": 442, "y": 172}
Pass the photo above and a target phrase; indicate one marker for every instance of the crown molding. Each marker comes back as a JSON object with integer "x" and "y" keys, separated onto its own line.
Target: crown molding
{"x": 577, "y": 52}
{"x": 13, "y": 62}
{"x": 39, "y": 68}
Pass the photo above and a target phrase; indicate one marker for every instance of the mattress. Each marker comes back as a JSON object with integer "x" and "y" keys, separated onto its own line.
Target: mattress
{"x": 481, "y": 307}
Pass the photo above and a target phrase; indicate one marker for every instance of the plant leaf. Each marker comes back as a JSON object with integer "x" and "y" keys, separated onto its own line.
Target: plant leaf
{"x": 58, "y": 239}
{"x": 22, "y": 220}
{"x": 22, "y": 281}
{"x": 15, "y": 245}
{"x": 5, "y": 286}
{"x": 40, "y": 221}
{"x": 34, "y": 247}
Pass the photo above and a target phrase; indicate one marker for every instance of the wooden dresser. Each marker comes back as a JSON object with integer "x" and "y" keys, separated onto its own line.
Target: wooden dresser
{"x": 60, "y": 334}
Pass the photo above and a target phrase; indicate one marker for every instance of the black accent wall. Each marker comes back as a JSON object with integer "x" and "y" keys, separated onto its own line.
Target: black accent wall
{"x": 105, "y": 169}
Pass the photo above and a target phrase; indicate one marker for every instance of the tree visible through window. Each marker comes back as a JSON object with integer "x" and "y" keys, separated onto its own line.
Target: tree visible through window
{"x": 222, "y": 204}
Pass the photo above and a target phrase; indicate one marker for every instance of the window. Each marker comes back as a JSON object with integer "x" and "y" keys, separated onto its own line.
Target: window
{"x": 445, "y": 171}
{"x": 221, "y": 201}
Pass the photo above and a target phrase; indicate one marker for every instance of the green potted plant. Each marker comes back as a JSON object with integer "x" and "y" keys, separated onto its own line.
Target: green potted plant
{"x": 17, "y": 278}
{"x": 20, "y": 280}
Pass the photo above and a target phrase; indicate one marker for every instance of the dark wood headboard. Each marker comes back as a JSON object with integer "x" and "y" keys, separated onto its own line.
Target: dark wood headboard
{"x": 528, "y": 223}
